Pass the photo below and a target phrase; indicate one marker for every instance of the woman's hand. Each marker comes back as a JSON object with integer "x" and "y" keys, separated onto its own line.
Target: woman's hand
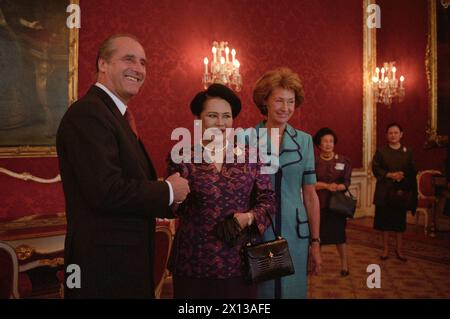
{"x": 401, "y": 176}
{"x": 315, "y": 260}
{"x": 229, "y": 230}
{"x": 341, "y": 187}
{"x": 332, "y": 187}
{"x": 396, "y": 176}
{"x": 244, "y": 219}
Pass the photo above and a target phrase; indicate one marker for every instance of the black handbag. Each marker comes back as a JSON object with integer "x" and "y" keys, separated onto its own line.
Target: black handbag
{"x": 268, "y": 260}
{"x": 342, "y": 204}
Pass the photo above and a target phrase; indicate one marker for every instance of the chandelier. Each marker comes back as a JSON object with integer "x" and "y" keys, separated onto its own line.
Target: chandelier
{"x": 223, "y": 70}
{"x": 386, "y": 87}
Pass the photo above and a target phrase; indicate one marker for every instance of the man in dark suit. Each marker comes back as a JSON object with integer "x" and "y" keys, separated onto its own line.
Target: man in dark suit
{"x": 110, "y": 187}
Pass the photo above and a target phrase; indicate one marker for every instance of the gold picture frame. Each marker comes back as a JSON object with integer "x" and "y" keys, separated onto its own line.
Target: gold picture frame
{"x": 431, "y": 66}
{"x": 37, "y": 51}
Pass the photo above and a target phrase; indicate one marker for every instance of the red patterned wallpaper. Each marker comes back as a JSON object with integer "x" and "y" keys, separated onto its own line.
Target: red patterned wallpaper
{"x": 403, "y": 38}
{"x": 22, "y": 198}
{"x": 321, "y": 40}
{"x": 178, "y": 34}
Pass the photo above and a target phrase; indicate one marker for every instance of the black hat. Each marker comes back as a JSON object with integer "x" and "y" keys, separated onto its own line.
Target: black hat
{"x": 220, "y": 91}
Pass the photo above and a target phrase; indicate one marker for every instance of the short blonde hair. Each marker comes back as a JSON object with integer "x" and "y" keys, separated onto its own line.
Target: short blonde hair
{"x": 278, "y": 78}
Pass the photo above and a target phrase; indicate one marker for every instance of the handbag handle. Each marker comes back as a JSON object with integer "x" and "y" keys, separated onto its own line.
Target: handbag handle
{"x": 273, "y": 227}
{"x": 347, "y": 190}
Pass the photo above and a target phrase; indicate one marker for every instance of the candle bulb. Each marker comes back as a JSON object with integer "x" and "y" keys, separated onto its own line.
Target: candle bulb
{"x": 394, "y": 69}
{"x": 214, "y": 51}
{"x": 377, "y": 70}
{"x": 382, "y": 74}
{"x": 205, "y": 60}
{"x": 233, "y": 55}
{"x": 222, "y": 64}
{"x": 402, "y": 78}
{"x": 227, "y": 52}
{"x": 237, "y": 65}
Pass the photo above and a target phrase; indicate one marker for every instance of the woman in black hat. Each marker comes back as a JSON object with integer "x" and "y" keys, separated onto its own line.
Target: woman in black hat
{"x": 227, "y": 198}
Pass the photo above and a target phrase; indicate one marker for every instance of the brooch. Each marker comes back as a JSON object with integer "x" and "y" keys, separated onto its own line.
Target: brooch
{"x": 237, "y": 151}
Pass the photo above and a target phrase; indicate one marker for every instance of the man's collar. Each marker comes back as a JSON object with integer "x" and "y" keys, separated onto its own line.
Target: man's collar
{"x": 120, "y": 105}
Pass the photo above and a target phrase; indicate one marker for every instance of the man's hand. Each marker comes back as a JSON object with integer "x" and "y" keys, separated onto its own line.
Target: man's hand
{"x": 315, "y": 260}
{"x": 180, "y": 187}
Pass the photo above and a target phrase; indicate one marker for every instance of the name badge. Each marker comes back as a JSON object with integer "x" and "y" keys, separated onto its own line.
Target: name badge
{"x": 339, "y": 166}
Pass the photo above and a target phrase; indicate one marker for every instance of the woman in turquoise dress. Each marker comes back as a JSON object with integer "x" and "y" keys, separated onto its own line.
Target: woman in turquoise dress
{"x": 277, "y": 93}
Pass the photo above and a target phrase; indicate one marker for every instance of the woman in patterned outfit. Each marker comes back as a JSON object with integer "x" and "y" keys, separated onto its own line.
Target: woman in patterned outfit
{"x": 203, "y": 264}
{"x": 277, "y": 93}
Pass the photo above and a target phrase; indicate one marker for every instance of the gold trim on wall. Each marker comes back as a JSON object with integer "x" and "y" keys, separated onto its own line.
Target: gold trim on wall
{"x": 433, "y": 139}
{"x": 50, "y": 151}
{"x": 369, "y": 120}
{"x": 25, "y": 176}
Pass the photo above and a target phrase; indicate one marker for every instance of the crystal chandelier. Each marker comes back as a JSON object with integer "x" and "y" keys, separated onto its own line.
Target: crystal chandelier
{"x": 386, "y": 87}
{"x": 223, "y": 70}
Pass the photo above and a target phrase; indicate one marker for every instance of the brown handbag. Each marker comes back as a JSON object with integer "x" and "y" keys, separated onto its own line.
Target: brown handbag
{"x": 268, "y": 260}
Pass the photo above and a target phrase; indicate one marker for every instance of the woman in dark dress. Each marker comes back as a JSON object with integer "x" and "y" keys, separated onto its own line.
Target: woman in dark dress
{"x": 396, "y": 188}
{"x": 226, "y": 196}
{"x": 333, "y": 173}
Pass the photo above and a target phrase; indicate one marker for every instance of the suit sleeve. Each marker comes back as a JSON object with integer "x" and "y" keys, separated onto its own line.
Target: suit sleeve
{"x": 89, "y": 144}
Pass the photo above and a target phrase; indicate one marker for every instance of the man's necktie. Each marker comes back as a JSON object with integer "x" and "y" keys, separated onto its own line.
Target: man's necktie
{"x": 131, "y": 121}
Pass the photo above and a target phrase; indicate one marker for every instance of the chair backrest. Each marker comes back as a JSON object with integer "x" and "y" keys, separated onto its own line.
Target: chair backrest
{"x": 163, "y": 246}
{"x": 9, "y": 272}
{"x": 425, "y": 186}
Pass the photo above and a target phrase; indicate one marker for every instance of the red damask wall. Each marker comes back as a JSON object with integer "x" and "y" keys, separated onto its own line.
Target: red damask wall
{"x": 20, "y": 198}
{"x": 403, "y": 38}
{"x": 177, "y": 35}
{"x": 321, "y": 40}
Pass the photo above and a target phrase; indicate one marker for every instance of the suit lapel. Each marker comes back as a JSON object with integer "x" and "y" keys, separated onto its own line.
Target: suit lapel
{"x": 138, "y": 148}
{"x": 152, "y": 172}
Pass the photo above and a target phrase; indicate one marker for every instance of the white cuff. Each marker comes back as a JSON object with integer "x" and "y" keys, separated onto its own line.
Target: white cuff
{"x": 170, "y": 193}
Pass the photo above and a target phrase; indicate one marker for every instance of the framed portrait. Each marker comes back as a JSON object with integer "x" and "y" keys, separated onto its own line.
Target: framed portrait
{"x": 438, "y": 72}
{"x": 39, "y": 61}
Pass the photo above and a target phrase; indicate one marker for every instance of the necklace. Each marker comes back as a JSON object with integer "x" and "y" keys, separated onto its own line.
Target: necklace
{"x": 327, "y": 158}
{"x": 212, "y": 152}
